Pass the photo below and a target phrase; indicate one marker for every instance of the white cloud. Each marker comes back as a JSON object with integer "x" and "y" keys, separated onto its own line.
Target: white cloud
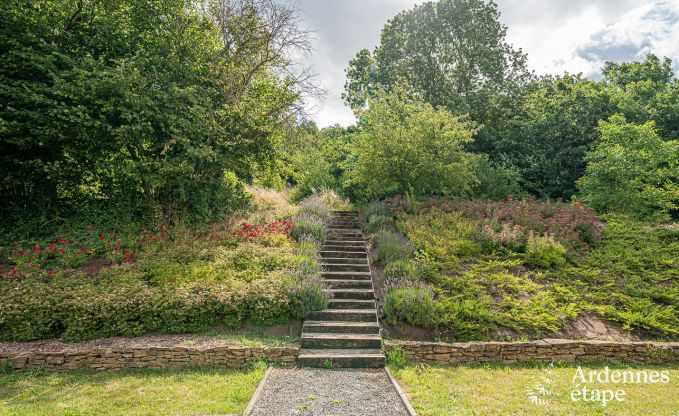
{"x": 558, "y": 35}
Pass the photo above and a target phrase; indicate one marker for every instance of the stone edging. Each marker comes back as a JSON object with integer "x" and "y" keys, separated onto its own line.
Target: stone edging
{"x": 542, "y": 350}
{"x": 253, "y": 400}
{"x": 401, "y": 394}
{"x": 101, "y": 359}
{"x": 233, "y": 356}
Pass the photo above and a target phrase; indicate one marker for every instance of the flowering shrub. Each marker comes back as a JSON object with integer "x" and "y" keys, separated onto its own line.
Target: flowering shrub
{"x": 268, "y": 231}
{"x": 493, "y": 236}
{"x": 45, "y": 259}
{"x": 574, "y": 225}
{"x": 409, "y": 301}
{"x": 392, "y": 246}
{"x": 308, "y": 293}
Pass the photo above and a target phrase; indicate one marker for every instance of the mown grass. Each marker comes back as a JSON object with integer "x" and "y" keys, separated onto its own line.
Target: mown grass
{"x": 497, "y": 389}
{"x": 138, "y": 392}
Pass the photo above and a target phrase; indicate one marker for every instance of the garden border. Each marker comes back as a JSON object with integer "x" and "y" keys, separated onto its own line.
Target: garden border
{"x": 106, "y": 359}
{"x": 236, "y": 356}
{"x": 546, "y": 350}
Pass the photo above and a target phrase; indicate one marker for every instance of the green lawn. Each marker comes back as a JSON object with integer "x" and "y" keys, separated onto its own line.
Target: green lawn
{"x": 140, "y": 392}
{"x": 498, "y": 389}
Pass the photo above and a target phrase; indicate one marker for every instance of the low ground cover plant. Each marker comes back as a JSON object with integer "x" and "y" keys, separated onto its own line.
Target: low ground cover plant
{"x": 527, "y": 268}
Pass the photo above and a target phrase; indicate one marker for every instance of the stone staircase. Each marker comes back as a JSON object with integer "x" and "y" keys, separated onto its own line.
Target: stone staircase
{"x": 347, "y": 334}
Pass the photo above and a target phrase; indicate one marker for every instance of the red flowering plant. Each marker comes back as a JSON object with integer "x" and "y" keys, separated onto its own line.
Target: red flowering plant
{"x": 270, "y": 233}
{"x": 47, "y": 257}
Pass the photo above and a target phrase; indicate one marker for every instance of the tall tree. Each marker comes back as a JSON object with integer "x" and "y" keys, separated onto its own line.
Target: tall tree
{"x": 453, "y": 53}
{"x": 141, "y": 104}
{"x": 407, "y": 145}
{"x": 646, "y": 90}
{"x": 548, "y": 133}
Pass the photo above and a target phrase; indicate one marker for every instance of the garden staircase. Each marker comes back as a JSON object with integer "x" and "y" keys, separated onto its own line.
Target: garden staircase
{"x": 347, "y": 334}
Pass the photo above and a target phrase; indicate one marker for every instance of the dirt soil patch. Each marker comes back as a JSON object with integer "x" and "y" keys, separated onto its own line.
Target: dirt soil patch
{"x": 593, "y": 327}
{"x": 147, "y": 340}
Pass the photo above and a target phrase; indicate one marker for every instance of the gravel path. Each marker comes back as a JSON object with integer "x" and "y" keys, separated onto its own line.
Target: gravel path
{"x": 341, "y": 392}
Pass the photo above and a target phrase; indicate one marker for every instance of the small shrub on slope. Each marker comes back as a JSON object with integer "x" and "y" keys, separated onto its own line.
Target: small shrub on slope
{"x": 545, "y": 252}
{"x": 392, "y": 246}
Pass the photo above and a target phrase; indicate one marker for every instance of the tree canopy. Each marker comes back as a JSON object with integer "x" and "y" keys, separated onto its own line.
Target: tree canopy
{"x": 142, "y": 105}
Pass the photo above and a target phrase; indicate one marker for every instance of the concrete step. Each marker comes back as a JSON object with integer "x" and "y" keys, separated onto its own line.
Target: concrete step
{"x": 345, "y": 254}
{"x": 343, "y": 242}
{"x": 322, "y": 341}
{"x": 347, "y": 260}
{"x": 346, "y": 243}
{"x": 341, "y": 327}
{"x": 356, "y": 315}
{"x": 345, "y": 275}
{"x": 346, "y": 231}
{"x": 342, "y": 247}
{"x": 349, "y": 293}
{"x": 343, "y": 267}
{"x": 337, "y": 237}
{"x": 351, "y": 304}
{"x": 349, "y": 283}
{"x": 342, "y": 358}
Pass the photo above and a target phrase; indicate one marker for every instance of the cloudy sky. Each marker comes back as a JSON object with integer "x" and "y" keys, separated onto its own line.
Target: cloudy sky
{"x": 558, "y": 35}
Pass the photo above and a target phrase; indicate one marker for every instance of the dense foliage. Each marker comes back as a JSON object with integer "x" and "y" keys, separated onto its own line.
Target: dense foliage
{"x": 408, "y": 146}
{"x": 632, "y": 170}
{"x": 140, "y": 108}
{"x": 169, "y": 280}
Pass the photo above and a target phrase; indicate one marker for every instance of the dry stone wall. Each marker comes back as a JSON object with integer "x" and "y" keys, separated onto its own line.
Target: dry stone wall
{"x": 542, "y": 350}
{"x": 151, "y": 357}
{"x": 104, "y": 359}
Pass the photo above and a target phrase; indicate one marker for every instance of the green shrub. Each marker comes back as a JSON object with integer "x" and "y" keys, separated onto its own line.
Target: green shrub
{"x": 396, "y": 357}
{"x": 399, "y": 269}
{"x": 376, "y": 223}
{"x": 268, "y": 300}
{"x": 465, "y": 319}
{"x": 413, "y": 305}
{"x": 307, "y": 294}
{"x": 376, "y": 208}
{"x": 545, "y": 252}
{"x": 392, "y": 246}
{"x": 32, "y": 309}
{"x": 446, "y": 236}
{"x": 100, "y": 311}
{"x": 309, "y": 228}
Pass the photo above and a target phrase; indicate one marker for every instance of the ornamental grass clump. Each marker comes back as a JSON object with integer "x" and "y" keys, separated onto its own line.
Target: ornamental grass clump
{"x": 308, "y": 226}
{"x": 315, "y": 207}
{"x": 399, "y": 269}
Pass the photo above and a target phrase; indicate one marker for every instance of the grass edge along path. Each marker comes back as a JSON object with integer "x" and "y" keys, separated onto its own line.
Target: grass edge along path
{"x": 517, "y": 389}
{"x": 190, "y": 391}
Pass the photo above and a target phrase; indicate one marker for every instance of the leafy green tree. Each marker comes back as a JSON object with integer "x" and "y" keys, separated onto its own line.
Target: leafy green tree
{"x": 632, "y": 170}
{"x": 645, "y": 91}
{"x": 452, "y": 53}
{"x": 145, "y": 105}
{"x": 407, "y": 145}
{"x": 547, "y": 134}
